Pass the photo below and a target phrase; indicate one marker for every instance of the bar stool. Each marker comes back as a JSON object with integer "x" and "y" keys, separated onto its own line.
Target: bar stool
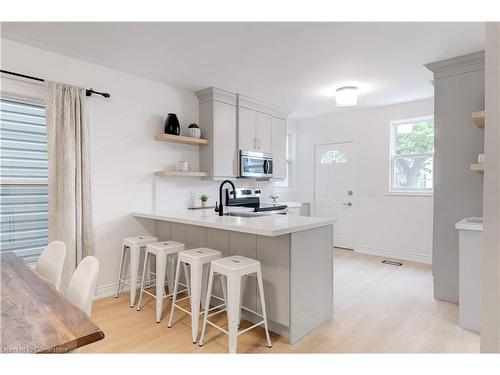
{"x": 135, "y": 245}
{"x": 196, "y": 259}
{"x": 234, "y": 268}
{"x": 161, "y": 250}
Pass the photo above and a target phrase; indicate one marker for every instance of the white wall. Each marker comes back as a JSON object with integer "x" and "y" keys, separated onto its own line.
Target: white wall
{"x": 123, "y": 151}
{"x": 389, "y": 225}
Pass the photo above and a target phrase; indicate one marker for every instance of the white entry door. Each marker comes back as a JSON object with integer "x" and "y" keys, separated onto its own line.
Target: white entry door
{"x": 334, "y": 189}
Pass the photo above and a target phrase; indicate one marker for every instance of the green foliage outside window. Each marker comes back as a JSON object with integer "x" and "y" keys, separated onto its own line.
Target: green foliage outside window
{"x": 419, "y": 141}
{"x": 413, "y": 154}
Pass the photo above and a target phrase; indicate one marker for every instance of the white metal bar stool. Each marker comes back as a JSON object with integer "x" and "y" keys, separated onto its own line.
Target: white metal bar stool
{"x": 161, "y": 250}
{"x": 135, "y": 245}
{"x": 196, "y": 259}
{"x": 234, "y": 268}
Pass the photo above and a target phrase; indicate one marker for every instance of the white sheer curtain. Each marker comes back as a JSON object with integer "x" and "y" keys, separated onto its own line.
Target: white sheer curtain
{"x": 70, "y": 216}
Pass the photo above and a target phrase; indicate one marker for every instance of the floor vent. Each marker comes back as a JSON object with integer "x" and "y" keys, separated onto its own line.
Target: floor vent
{"x": 392, "y": 263}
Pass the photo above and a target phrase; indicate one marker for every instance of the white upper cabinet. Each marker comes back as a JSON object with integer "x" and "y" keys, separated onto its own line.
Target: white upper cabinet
{"x": 232, "y": 122}
{"x": 263, "y": 132}
{"x": 225, "y": 152}
{"x": 278, "y": 147}
{"x": 254, "y": 130}
{"x": 247, "y": 123}
{"x": 218, "y": 124}
{"x": 255, "y": 123}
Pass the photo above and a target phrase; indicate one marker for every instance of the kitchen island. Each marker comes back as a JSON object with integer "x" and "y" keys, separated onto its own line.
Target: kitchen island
{"x": 296, "y": 255}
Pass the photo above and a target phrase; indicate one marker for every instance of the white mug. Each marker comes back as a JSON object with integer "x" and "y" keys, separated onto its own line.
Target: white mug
{"x": 182, "y": 166}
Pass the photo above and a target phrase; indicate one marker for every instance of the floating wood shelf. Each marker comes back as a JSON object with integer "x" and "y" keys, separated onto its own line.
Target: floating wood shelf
{"x": 180, "y": 139}
{"x": 477, "y": 167}
{"x": 478, "y": 118}
{"x": 181, "y": 174}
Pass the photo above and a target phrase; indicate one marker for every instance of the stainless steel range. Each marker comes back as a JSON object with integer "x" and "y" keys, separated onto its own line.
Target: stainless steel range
{"x": 246, "y": 197}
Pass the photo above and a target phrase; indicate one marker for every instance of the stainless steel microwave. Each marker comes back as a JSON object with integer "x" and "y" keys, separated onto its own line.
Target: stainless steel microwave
{"x": 256, "y": 164}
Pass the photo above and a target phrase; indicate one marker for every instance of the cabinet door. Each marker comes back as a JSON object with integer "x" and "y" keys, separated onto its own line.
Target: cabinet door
{"x": 245, "y": 244}
{"x": 274, "y": 256}
{"x": 279, "y": 147}
{"x": 216, "y": 239}
{"x": 263, "y": 132}
{"x": 224, "y": 138}
{"x": 246, "y": 129}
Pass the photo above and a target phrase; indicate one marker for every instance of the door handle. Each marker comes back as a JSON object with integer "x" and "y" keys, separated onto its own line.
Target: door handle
{"x": 348, "y": 204}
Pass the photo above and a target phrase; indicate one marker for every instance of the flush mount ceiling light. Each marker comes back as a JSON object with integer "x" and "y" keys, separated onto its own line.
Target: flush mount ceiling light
{"x": 347, "y": 96}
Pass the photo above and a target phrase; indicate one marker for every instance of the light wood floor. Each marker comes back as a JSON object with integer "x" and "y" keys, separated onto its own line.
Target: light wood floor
{"x": 378, "y": 309}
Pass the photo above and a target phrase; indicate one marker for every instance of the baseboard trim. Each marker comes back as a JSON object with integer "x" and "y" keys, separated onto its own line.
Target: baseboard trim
{"x": 308, "y": 323}
{"x": 273, "y": 326}
{"x": 394, "y": 254}
{"x": 109, "y": 290}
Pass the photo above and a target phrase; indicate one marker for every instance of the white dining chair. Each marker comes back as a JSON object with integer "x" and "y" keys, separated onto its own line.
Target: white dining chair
{"x": 50, "y": 264}
{"x": 81, "y": 287}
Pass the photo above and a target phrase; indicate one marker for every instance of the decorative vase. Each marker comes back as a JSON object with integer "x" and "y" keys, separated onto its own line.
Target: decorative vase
{"x": 172, "y": 125}
{"x": 203, "y": 204}
{"x": 194, "y": 132}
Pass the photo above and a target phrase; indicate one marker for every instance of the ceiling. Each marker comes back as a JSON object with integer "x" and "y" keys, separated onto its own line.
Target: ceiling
{"x": 294, "y": 65}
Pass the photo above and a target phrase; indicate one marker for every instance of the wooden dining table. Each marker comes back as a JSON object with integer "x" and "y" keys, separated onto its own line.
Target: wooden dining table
{"x": 35, "y": 317}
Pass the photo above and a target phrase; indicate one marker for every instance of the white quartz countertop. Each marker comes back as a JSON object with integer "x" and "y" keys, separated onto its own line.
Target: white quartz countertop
{"x": 270, "y": 225}
{"x": 470, "y": 223}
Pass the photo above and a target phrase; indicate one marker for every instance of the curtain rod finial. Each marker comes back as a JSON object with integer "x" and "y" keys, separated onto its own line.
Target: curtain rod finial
{"x": 91, "y": 91}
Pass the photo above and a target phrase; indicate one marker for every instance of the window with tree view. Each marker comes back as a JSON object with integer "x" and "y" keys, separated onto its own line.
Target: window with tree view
{"x": 412, "y": 155}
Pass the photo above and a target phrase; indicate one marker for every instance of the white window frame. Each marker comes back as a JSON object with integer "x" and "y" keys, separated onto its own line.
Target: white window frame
{"x": 290, "y": 165}
{"x": 405, "y": 192}
{"x": 23, "y": 91}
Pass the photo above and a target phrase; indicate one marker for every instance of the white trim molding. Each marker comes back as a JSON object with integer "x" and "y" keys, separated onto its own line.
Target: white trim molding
{"x": 224, "y": 96}
{"x": 394, "y": 254}
{"x": 457, "y": 65}
{"x": 213, "y": 93}
{"x": 261, "y": 106}
{"x": 109, "y": 290}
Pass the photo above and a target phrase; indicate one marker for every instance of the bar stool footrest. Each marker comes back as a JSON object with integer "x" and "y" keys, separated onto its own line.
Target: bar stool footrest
{"x": 219, "y": 328}
{"x": 251, "y": 327}
{"x": 165, "y": 296}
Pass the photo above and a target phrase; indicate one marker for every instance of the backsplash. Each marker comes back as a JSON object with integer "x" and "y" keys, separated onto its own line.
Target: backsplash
{"x": 175, "y": 193}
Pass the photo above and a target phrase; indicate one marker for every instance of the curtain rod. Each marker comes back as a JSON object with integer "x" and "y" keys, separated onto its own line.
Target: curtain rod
{"x": 88, "y": 92}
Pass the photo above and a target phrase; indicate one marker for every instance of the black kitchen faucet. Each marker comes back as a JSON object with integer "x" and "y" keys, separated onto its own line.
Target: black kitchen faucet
{"x": 220, "y": 208}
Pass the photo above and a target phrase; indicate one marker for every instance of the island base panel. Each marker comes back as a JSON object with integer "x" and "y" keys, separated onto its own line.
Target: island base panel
{"x": 297, "y": 271}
